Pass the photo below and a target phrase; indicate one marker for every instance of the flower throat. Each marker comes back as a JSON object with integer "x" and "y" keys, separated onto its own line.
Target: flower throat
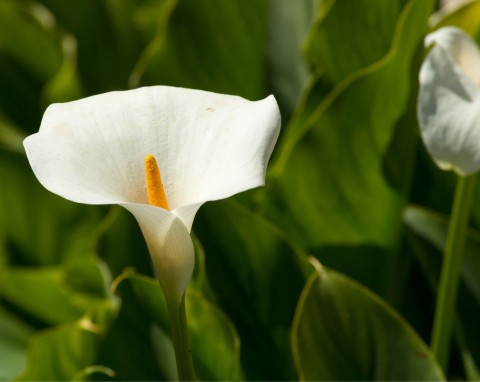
{"x": 155, "y": 191}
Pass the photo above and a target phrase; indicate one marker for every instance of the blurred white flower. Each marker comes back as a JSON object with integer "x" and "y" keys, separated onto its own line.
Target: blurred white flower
{"x": 105, "y": 149}
{"x": 449, "y": 100}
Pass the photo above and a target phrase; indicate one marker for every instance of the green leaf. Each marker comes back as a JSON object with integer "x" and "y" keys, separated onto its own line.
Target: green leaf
{"x": 75, "y": 292}
{"x": 342, "y": 332}
{"x": 38, "y": 290}
{"x": 328, "y": 185}
{"x": 342, "y": 42}
{"x": 40, "y": 228}
{"x": 213, "y": 335}
{"x": 256, "y": 276}
{"x": 60, "y": 353}
{"x": 213, "y": 339}
{"x": 108, "y": 44}
{"x": 14, "y": 336}
{"x": 132, "y": 329}
{"x": 76, "y": 289}
{"x": 189, "y": 53}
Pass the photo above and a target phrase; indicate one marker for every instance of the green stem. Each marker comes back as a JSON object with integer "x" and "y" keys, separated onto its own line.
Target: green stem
{"x": 451, "y": 269}
{"x": 183, "y": 355}
{"x": 186, "y": 343}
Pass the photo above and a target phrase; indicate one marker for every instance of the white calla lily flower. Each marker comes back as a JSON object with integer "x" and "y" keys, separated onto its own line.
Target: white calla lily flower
{"x": 111, "y": 149}
{"x": 449, "y": 100}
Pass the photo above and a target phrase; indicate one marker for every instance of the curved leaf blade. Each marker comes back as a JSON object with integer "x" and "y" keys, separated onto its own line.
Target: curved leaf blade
{"x": 329, "y": 175}
{"x": 342, "y": 331}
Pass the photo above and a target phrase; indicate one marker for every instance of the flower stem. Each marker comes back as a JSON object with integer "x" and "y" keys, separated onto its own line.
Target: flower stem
{"x": 183, "y": 354}
{"x": 451, "y": 269}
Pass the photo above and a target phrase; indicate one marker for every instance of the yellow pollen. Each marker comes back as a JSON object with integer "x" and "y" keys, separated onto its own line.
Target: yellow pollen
{"x": 155, "y": 191}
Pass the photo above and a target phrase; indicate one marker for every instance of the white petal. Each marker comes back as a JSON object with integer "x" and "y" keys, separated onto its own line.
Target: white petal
{"x": 462, "y": 50}
{"x": 230, "y": 145}
{"x": 187, "y": 213}
{"x": 170, "y": 247}
{"x": 208, "y": 146}
{"x": 449, "y": 101}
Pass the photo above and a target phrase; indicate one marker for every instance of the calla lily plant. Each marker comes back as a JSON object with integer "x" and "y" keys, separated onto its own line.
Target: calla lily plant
{"x": 449, "y": 118}
{"x": 160, "y": 152}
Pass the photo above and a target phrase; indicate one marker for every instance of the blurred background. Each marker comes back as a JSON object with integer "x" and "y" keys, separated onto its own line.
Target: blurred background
{"x": 349, "y": 185}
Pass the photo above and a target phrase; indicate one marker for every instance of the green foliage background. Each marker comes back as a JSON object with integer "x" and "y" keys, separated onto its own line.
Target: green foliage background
{"x": 327, "y": 273}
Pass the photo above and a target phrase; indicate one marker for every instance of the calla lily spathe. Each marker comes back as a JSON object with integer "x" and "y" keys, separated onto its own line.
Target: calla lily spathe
{"x": 208, "y": 146}
{"x": 449, "y": 100}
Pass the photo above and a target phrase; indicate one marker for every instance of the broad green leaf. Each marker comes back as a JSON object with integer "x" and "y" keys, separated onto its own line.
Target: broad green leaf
{"x": 74, "y": 290}
{"x": 328, "y": 186}
{"x": 40, "y": 228}
{"x": 14, "y": 336}
{"x": 133, "y": 329}
{"x": 38, "y": 290}
{"x": 60, "y": 353}
{"x": 256, "y": 276}
{"x": 350, "y": 35}
{"x": 213, "y": 339}
{"x": 342, "y": 331}
{"x": 212, "y": 335}
{"x": 211, "y": 45}
{"x": 108, "y": 44}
